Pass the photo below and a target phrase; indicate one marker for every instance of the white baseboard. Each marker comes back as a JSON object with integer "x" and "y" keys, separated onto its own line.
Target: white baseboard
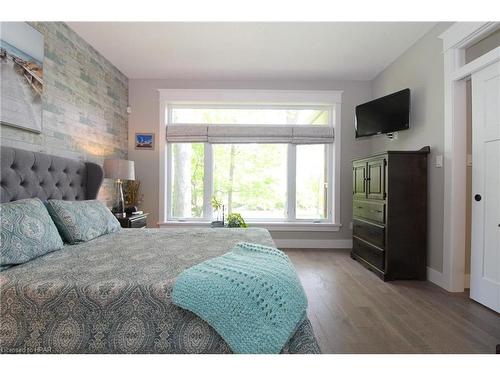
{"x": 313, "y": 244}
{"x": 467, "y": 281}
{"x": 435, "y": 277}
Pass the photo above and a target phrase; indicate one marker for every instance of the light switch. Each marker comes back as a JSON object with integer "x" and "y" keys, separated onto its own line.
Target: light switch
{"x": 439, "y": 161}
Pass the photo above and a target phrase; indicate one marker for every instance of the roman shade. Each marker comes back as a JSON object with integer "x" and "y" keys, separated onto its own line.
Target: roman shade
{"x": 296, "y": 134}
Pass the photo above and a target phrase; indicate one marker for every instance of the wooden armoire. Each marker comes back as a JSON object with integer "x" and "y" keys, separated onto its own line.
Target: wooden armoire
{"x": 390, "y": 213}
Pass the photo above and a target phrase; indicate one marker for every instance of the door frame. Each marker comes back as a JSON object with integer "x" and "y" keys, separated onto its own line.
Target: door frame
{"x": 455, "y": 41}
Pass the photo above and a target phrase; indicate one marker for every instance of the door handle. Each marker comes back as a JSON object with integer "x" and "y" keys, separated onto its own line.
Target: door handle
{"x": 477, "y": 197}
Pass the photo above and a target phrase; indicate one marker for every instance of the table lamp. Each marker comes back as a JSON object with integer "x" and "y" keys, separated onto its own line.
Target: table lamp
{"x": 119, "y": 169}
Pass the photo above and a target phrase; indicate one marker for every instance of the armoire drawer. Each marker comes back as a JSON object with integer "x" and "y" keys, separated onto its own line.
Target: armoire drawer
{"x": 370, "y": 254}
{"x": 369, "y": 210}
{"x": 374, "y": 234}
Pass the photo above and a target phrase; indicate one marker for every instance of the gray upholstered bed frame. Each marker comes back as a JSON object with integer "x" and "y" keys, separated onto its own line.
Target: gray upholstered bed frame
{"x": 27, "y": 174}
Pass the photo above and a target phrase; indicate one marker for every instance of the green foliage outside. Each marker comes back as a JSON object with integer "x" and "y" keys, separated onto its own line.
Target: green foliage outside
{"x": 251, "y": 177}
{"x": 187, "y": 174}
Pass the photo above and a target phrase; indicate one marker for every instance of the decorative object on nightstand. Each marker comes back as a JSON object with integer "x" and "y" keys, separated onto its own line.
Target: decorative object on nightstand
{"x": 134, "y": 220}
{"x": 132, "y": 195}
{"x": 119, "y": 169}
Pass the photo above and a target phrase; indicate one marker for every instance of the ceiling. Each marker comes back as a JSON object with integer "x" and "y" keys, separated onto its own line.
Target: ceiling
{"x": 251, "y": 51}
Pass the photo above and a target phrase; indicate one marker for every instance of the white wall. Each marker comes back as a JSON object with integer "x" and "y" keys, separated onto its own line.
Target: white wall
{"x": 144, "y": 101}
{"x": 421, "y": 69}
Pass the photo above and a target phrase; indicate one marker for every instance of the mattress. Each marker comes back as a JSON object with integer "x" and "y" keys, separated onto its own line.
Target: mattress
{"x": 113, "y": 295}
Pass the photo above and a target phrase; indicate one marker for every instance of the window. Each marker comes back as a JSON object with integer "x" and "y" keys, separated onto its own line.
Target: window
{"x": 251, "y": 179}
{"x": 187, "y": 180}
{"x": 250, "y": 116}
{"x": 312, "y": 182}
{"x": 268, "y": 162}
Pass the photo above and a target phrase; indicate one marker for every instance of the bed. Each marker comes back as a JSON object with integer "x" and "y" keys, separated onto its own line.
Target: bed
{"x": 111, "y": 294}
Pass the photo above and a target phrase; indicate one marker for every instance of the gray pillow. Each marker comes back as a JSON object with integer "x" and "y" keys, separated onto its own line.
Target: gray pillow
{"x": 81, "y": 221}
{"x": 27, "y": 232}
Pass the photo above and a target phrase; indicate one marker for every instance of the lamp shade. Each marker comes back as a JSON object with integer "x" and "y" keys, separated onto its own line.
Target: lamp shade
{"x": 119, "y": 169}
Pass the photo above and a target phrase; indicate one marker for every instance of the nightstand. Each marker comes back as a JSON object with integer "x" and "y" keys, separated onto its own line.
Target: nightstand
{"x": 133, "y": 221}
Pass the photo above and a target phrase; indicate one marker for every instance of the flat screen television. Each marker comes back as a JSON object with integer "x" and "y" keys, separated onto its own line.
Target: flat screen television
{"x": 384, "y": 115}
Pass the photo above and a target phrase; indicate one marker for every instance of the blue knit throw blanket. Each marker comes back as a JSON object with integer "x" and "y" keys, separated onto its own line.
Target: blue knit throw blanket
{"x": 251, "y": 296}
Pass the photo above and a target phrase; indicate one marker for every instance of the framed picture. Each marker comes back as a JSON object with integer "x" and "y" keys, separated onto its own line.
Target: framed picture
{"x": 144, "y": 141}
{"x": 21, "y": 61}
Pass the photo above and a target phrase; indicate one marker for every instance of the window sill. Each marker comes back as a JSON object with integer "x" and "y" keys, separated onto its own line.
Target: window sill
{"x": 271, "y": 226}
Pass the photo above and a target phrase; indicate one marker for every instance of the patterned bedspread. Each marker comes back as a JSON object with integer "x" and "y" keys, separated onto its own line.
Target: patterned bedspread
{"x": 113, "y": 295}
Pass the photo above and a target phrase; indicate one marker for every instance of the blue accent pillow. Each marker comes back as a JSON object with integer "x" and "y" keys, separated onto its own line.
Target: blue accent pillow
{"x": 27, "y": 232}
{"x": 81, "y": 221}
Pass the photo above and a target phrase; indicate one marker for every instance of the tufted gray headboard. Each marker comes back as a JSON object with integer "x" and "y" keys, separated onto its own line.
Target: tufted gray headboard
{"x": 27, "y": 174}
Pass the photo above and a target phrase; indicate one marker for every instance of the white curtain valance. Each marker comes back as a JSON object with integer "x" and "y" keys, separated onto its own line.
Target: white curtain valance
{"x": 298, "y": 134}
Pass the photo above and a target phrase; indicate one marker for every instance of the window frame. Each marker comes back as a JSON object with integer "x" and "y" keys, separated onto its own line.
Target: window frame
{"x": 171, "y": 106}
{"x": 254, "y": 99}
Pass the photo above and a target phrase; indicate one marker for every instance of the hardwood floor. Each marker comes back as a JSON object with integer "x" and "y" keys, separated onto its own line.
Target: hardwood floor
{"x": 353, "y": 311}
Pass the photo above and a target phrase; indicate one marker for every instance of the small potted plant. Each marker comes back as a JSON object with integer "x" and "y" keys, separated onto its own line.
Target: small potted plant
{"x": 234, "y": 220}
{"x": 218, "y": 208}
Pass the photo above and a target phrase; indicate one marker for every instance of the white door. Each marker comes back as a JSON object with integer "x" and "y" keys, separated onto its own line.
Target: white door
{"x": 485, "y": 256}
